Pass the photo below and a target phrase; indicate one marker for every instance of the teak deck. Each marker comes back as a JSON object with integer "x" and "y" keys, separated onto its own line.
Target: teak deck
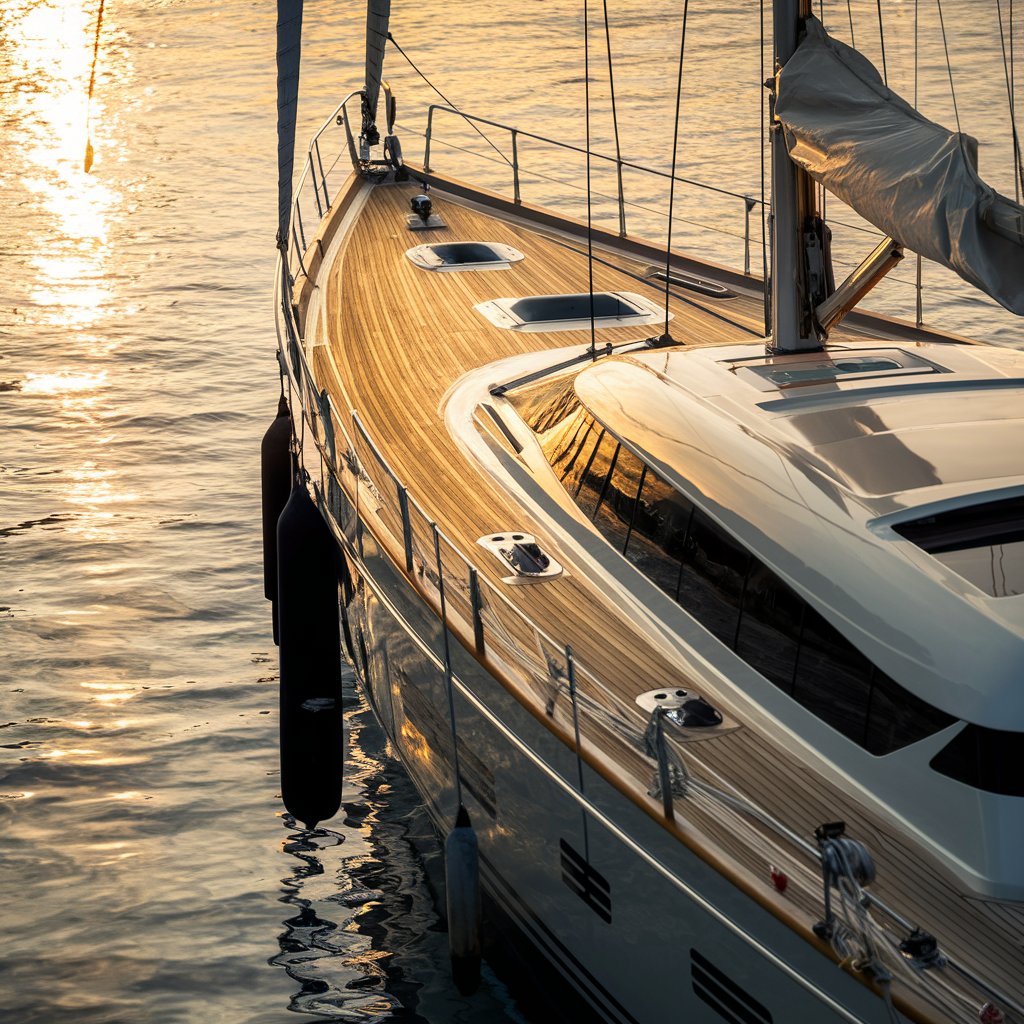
{"x": 400, "y": 336}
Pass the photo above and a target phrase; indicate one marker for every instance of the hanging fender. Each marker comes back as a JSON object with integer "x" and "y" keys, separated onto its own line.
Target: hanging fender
{"x": 312, "y": 738}
{"x": 276, "y": 483}
{"x": 462, "y": 884}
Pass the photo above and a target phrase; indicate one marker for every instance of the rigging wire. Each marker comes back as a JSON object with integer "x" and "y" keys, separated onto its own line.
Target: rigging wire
{"x": 949, "y": 66}
{"x": 849, "y": 11}
{"x": 881, "y": 39}
{"x": 590, "y": 220}
{"x": 615, "y": 114}
{"x": 765, "y": 268}
{"x": 919, "y": 314}
{"x": 89, "y": 153}
{"x": 675, "y": 153}
{"x": 472, "y": 124}
{"x": 1019, "y": 166}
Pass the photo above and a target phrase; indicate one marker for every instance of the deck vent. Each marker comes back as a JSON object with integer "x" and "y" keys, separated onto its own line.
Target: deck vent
{"x": 572, "y": 312}
{"x": 521, "y": 553}
{"x": 464, "y": 256}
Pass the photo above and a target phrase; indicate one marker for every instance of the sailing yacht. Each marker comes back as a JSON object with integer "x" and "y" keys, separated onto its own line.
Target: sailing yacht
{"x": 701, "y": 641}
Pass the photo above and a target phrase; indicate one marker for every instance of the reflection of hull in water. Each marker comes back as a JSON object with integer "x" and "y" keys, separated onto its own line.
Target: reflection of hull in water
{"x": 619, "y": 930}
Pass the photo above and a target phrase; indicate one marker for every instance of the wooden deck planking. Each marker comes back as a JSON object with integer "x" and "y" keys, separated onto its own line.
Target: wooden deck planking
{"x": 400, "y": 336}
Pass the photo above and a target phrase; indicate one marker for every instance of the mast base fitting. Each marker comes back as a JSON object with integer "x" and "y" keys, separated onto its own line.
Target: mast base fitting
{"x": 661, "y": 341}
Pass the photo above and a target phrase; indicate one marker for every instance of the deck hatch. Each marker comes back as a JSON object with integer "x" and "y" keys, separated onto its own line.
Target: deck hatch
{"x": 834, "y": 366}
{"x": 464, "y": 256}
{"x": 571, "y": 312}
{"x": 983, "y": 543}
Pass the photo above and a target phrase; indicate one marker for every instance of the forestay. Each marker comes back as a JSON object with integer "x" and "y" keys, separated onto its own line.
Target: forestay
{"x": 913, "y": 179}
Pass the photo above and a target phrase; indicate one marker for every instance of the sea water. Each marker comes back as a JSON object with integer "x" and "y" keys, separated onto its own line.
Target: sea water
{"x": 146, "y": 869}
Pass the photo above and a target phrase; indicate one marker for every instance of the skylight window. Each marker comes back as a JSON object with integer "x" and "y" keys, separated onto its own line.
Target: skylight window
{"x": 982, "y": 543}
{"x": 571, "y": 312}
{"x": 834, "y": 366}
{"x": 464, "y": 256}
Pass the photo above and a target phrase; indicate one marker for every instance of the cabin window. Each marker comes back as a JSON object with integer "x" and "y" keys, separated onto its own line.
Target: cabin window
{"x": 595, "y": 476}
{"x": 982, "y": 543}
{"x": 581, "y": 456}
{"x": 711, "y": 580}
{"x": 737, "y": 598}
{"x": 987, "y": 759}
{"x": 896, "y": 718}
{"x": 833, "y": 679}
{"x": 656, "y": 541}
{"x": 771, "y": 620}
{"x": 614, "y": 513}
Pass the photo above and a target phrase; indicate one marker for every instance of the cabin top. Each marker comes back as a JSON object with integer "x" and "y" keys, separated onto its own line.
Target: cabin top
{"x": 840, "y": 469}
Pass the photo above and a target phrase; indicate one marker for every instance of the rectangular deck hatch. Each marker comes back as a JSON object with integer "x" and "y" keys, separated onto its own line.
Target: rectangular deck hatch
{"x": 464, "y": 256}
{"x": 833, "y": 366}
{"x": 571, "y": 312}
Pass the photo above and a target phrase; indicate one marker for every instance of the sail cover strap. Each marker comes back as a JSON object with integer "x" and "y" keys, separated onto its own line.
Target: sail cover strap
{"x": 289, "y": 39}
{"x": 378, "y": 13}
{"x": 913, "y": 179}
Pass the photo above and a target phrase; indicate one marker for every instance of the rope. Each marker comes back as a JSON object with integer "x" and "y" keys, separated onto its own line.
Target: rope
{"x": 1019, "y": 166}
{"x": 675, "y": 153}
{"x": 849, "y": 11}
{"x": 611, "y": 88}
{"x": 949, "y": 66}
{"x": 472, "y": 124}
{"x": 87, "y": 163}
{"x": 590, "y": 218}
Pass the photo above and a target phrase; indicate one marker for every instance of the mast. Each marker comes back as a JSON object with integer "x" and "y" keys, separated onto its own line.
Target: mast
{"x": 798, "y": 273}
{"x": 378, "y": 14}
{"x": 289, "y": 39}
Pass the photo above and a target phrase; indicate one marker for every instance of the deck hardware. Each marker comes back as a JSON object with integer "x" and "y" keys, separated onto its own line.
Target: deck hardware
{"x": 921, "y": 948}
{"x": 672, "y": 778}
{"x": 421, "y": 217}
{"x": 521, "y": 553}
{"x": 847, "y": 866}
{"x": 682, "y": 710}
{"x": 695, "y": 284}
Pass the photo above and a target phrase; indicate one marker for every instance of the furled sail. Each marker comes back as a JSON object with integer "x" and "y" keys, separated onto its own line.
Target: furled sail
{"x": 910, "y": 177}
{"x": 378, "y": 14}
{"x": 289, "y": 40}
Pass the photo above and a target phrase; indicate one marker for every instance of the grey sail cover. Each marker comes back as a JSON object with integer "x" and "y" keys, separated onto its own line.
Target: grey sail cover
{"x": 378, "y": 14}
{"x": 911, "y": 178}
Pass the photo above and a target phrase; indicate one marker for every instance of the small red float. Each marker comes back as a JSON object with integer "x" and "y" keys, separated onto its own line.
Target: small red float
{"x": 780, "y": 880}
{"x": 991, "y": 1014}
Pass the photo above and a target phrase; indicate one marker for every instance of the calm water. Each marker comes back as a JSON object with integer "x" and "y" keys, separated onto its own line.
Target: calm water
{"x": 147, "y": 872}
